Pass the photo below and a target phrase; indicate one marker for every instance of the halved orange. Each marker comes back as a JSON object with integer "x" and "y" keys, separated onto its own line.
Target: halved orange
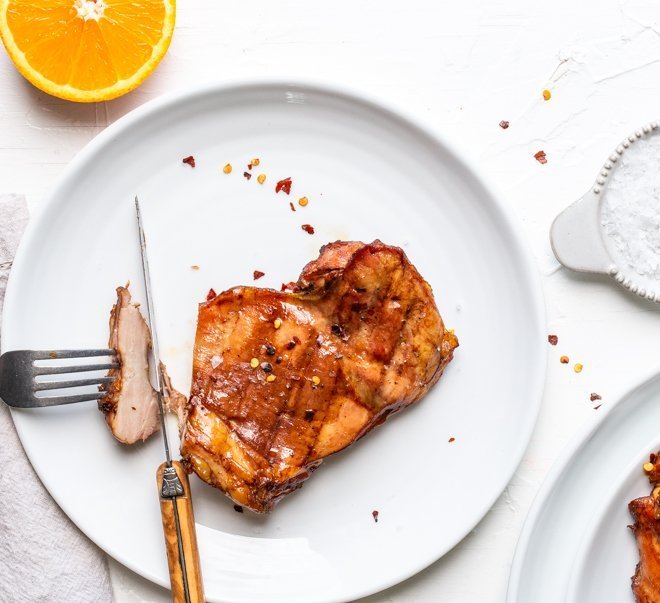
{"x": 86, "y": 50}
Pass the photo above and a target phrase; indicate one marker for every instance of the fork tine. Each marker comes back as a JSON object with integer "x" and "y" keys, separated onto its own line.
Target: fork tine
{"x": 46, "y": 385}
{"x": 78, "y": 368}
{"x": 58, "y": 354}
{"x": 59, "y": 400}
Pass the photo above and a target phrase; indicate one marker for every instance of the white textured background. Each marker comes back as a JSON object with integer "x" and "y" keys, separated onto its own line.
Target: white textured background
{"x": 462, "y": 67}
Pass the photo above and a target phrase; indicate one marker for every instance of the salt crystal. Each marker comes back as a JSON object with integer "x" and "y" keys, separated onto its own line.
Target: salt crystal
{"x": 630, "y": 210}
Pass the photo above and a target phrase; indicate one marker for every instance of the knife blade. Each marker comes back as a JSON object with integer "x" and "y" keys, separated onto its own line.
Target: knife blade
{"x": 174, "y": 489}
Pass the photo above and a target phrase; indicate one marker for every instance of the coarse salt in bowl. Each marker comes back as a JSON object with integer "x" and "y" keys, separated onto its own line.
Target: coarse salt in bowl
{"x": 615, "y": 227}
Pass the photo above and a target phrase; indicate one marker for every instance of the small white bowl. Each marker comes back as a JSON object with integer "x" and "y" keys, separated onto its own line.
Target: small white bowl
{"x": 579, "y": 241}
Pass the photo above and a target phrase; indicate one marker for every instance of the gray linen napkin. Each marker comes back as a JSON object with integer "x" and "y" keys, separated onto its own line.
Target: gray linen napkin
{"x": 44, "y": 558}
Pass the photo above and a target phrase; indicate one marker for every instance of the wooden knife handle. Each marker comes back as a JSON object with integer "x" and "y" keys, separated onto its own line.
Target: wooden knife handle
{"x": 184, "y": 509}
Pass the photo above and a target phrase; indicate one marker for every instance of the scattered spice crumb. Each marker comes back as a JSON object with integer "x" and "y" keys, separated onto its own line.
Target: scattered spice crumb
{"x": 195, "y": 267}
{"x": 247, "y": 175}
{"x": 261, "y": 178}
{"x": 553, "y": 339}
{"x": 249, "y": 166}
{"x": 190, "y": 160}
{"x": 597, "y": 407}
{"x": 452, "y": 440}
{"x": 648, "y": 467}
{"x": 270, "y": 378}
{"x": 316, "y": 380}
{"x": 547, "y": 95}
{"x": 291, "y": 206}
{"x": 133, "y": 407}
{"x": 375, "y": 515}
{"x": 540, "y": 157}
{"x": 255, "y": 161}
{"x": 266, "y": 367}
{"x": 211, "y": 294}
{"x": 308, "y": 228}
{"x": 277, "y": 323}
{"x": 238, "y": 508}
{"x": 309, "y": 415}
{"x": 257, "y": 274}
{"x": 504, "y": 124}
{"x": 593, "y": 397}
{"x": 270, "y": 349}
{"x": 564, "y": 360}
{"x": 578, "y": 367}
{"x": 227, "y": 169}
{"x": 303, "y": 201}
{"x": 254, "y": 363}
{"x": 284, "y": 185}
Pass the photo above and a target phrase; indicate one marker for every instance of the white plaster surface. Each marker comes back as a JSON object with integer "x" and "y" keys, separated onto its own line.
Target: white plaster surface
{"x": 461, "y": 67}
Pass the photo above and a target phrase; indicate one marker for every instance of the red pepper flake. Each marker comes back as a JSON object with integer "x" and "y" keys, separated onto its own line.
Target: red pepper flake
{"x": 238, "y": 508}
{"x": 210, "y": 295}
{"x": 553, "y": 339}
{"x": 540, "y": 157}
{"x": 564, "y": 360}
{"x": 594, "y": 397}
{"x": 284, "y": 185}
{"x": 249, "y": 166}
{"x": 653, "y": 457}
{"x": 290, "y": 286}
{"x": 247, "y": 175}
{"x": 257, "y": 274}
{"x": 452, "y": 440}
{"x": 374, "y": 514}
{"x": 597, "y": 407}
{"x": 292, "y": 206}
{"x": 190, "y": 160}
{"x": 308, "y": 228}
{"x": 504, "y": 124}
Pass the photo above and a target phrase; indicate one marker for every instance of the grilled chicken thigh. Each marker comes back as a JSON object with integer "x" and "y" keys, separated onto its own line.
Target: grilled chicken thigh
{"x": 646, "y": 513}
{"x": 282, "y": 380}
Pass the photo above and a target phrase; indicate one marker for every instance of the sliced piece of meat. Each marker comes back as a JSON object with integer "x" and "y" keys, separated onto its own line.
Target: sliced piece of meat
{"x": 646, "y": 513}
{"x": 131, "y": 406}
{"x": 175, "y": 402}
{"x": 282, "y": 380}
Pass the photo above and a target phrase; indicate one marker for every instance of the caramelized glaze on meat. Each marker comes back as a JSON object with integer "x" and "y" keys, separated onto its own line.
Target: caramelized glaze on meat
{"x": 359, "y": 340}
{"x": 646, "y": 513}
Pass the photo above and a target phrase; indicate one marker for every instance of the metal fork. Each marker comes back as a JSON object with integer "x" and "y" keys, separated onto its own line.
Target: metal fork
{"x": 19, "y": 371}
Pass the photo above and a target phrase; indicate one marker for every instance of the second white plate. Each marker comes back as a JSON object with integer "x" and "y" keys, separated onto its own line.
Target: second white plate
{"x": 575, "y": 546}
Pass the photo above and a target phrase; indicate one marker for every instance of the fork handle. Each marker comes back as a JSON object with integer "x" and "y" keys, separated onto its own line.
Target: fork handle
{"x": 169, "y": 508}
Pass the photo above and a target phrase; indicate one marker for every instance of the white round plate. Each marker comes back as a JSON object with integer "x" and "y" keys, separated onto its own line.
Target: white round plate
{"x": 575, "y": 546}
{"x": 368, "y": 173}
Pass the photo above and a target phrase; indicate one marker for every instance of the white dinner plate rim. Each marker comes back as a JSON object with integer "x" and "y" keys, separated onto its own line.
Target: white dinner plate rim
{"x": 518, "y": 241}
{"x": 564, "y": 460}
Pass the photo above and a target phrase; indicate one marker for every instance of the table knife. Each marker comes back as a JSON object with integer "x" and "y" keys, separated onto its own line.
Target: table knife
{"x": 173, "y": 487}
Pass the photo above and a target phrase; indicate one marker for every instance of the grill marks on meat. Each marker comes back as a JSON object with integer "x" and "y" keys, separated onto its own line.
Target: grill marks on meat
{"x": 367, "y": 341}
{"x": 646, "y": 513}
{"x": 131, "y": 406}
